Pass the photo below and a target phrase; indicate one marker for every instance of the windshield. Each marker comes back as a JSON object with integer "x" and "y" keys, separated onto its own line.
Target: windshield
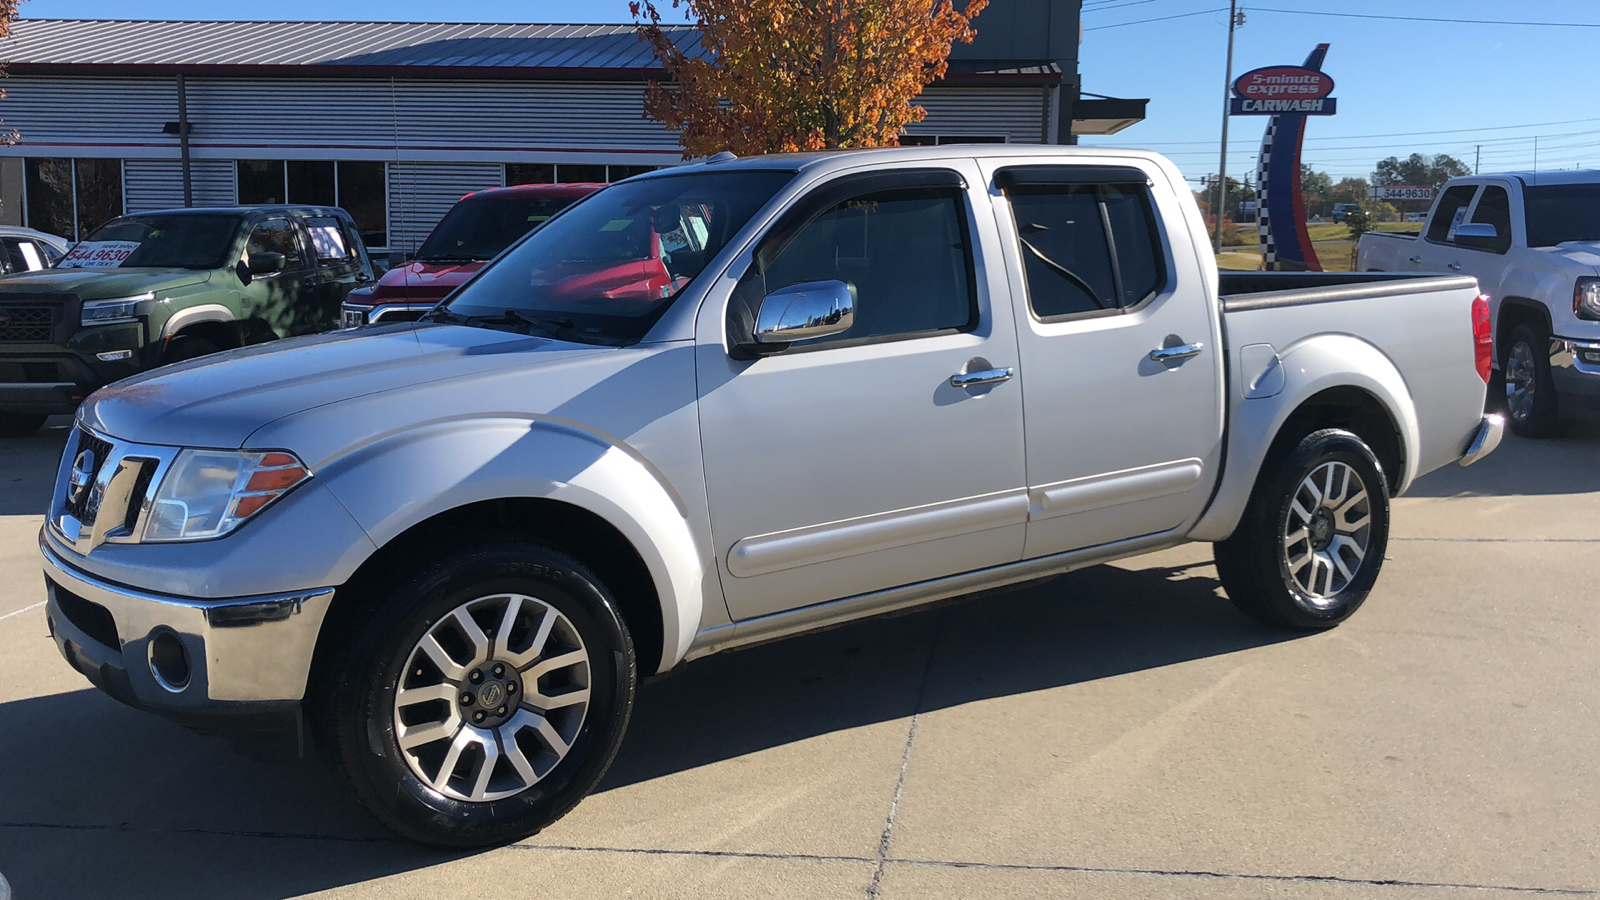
{"x": 606, "y": 269}
{"x": 1562, "y": 212}
{"x": 186, "y": 241}
{"x": 478, "y": 228}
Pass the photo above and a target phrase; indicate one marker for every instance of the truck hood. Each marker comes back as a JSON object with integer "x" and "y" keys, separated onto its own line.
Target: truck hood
{"x": 101, "y": 284}
{"x": 418, "y": 281}
{"x": 220, "y": 400}
{"x": 1580, "y": 253}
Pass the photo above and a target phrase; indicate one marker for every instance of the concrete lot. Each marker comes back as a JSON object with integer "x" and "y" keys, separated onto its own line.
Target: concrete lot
{"x": 1119, "y": 732}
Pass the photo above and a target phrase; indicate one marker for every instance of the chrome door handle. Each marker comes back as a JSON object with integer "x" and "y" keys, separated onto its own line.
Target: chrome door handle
{"x": 1454, "y": 267}
{"x": 982, "y": 376}
{"x": 1417, "y": 260}
{"x": 1173, "y": 354}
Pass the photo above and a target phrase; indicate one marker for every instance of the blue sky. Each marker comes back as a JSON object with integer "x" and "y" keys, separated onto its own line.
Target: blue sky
{"x": 1489, "y": 86}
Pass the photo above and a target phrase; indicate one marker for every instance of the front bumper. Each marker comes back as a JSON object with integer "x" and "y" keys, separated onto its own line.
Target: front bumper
{"x": 245, "y": 660}
{"x": 1575, "y": 370}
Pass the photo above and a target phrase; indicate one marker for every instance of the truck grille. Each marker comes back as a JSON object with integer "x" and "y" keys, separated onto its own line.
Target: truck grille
{"x": 80, "y": 503}
{"x": 26, "y": 324}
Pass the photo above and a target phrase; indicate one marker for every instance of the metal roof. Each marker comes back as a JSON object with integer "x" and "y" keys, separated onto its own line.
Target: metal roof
{"x": 96, "y": 46}
{"x": 60, "y": 43}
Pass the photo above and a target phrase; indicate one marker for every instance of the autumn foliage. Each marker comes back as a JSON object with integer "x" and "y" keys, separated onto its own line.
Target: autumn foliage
{"x": 786, "y": 75}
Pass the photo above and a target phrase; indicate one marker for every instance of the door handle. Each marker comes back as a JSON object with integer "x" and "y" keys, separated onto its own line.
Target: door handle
{"x": 1173, "y": 354}
{"x": 1417, "y": 260}
{"x": 1454, "y": 267}
{"x": 982, "y": 376}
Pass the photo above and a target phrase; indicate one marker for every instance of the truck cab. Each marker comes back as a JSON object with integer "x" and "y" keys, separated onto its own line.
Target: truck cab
{"x": 159, "y": 287}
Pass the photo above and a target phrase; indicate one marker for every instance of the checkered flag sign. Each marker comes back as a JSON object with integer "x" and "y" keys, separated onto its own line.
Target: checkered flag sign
{"x": 1269, "y": 246}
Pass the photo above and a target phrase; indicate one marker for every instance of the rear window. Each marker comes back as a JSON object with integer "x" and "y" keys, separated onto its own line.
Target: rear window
{"x": 1086, "y": 248}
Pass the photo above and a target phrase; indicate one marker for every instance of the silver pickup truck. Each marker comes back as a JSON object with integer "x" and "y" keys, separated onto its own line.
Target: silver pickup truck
{"x": 722, "y": 404}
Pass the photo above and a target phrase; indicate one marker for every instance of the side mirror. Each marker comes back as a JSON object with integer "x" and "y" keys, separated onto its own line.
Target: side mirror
{"x": 396, "y": 259}
{"x": 267, "y": 262}
{"x": 1478, "y": 236}
{"x": 805, "y": 312}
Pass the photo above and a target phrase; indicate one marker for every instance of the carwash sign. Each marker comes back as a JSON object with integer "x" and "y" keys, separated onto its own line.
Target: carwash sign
{"x": 1275, "y": 90}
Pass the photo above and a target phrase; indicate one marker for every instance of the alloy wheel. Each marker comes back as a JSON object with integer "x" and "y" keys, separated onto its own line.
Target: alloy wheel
{"x": 1326, "y": 531}
{"x": 1520, "y": 381}
{"x": 492, "y": 698}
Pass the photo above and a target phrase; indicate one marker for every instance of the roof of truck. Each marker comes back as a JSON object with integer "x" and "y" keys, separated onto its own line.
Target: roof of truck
{"x": 795, "y": 162}
{"x": 1564, "y": 176}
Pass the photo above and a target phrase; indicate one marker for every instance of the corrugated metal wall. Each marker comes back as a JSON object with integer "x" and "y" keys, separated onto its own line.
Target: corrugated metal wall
{"x": 421, "y": 193}
{"x": 1015, "y": 113}
{"x": 158, "y": 183}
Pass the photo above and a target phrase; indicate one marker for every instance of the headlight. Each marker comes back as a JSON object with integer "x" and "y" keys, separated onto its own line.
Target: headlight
{"x": 209, "y": 493}
{"x": 104, "y": 312}
{"x": 1586, "y": 298}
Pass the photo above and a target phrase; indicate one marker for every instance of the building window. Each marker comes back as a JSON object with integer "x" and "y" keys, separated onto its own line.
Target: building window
{"x": 360, "y": 188}
{"x": 933, "y": 140}
{"x": 72, "y": 197}
{"x": 569, "y": 173}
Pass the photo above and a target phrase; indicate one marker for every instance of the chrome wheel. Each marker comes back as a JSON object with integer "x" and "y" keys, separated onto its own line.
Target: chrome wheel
{"x": 1326, "y": 531}
{"x": 1520, "y": 381}
{"x": 493, "y": 696}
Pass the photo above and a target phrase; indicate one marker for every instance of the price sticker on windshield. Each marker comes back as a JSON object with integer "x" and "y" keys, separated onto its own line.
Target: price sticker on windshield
{"x": 98, "y": 254}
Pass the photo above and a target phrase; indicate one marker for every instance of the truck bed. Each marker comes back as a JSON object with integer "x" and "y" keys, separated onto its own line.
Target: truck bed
{"x": 1260, "y": 290}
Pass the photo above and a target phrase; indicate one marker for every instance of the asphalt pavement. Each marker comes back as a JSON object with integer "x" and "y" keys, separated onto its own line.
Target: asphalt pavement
{"x": 1116, "y": 732}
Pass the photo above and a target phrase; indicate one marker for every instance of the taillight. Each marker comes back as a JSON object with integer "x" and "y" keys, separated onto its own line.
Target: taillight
{"x": 1482, "y": 337}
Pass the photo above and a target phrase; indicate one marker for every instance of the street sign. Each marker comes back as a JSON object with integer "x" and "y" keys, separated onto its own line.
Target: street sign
{"x": 1401, "y": 192}
{"x": 1273, "y": 90}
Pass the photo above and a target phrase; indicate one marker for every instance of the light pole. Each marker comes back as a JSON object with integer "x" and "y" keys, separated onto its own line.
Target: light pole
{"x": 1227, "y": 93}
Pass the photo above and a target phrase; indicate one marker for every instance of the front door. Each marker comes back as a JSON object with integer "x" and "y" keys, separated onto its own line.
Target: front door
{"x": 851, "y": 463}
{"x": 279, "y": 297}
{"x": 1436, "y": 250}
{"x": 1120, "y": 343}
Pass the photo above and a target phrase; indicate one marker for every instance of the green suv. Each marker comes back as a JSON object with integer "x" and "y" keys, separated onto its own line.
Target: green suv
{"x": 153, "y": 288}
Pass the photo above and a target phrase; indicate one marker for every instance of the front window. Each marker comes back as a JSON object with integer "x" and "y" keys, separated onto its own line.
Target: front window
{"x": 1558, "y": 213}
{"x": 606, "y": 269}
{"x": 183, "y": 241}
{"x": 478, "y": 228}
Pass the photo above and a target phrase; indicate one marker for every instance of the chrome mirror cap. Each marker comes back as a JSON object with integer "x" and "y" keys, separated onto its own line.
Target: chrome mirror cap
{"x": 803, "y": 312}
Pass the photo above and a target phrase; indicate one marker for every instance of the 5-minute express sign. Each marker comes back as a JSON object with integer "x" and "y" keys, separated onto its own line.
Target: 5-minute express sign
{"x": 1276, "y": 90}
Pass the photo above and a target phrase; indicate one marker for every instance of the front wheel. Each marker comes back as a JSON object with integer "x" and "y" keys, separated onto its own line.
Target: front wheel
{"x": 482, "y": 698}
{"x": 1529, "y": 387}
{"x": 1311, "y": 541}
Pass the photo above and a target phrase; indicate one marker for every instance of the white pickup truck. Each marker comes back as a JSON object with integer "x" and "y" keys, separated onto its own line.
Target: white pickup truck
{"x": 869, "y": 381}
{"x": 1532, "y": 240}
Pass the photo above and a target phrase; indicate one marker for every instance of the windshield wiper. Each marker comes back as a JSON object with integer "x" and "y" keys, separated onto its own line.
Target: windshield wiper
{"x": 549, "y": 325}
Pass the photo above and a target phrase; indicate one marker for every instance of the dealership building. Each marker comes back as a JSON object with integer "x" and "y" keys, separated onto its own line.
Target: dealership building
{"x": 396, "y": 121}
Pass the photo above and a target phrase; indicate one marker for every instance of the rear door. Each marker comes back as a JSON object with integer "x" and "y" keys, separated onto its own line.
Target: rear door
{"x": 1436, "y": 250}
{"x": 852, "y": 463}
{"x": 336, "y": 268}
{"x": 1119, "y": 343}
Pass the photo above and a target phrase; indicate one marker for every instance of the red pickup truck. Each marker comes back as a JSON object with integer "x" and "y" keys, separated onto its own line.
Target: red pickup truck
{"x": 474, "y": 231}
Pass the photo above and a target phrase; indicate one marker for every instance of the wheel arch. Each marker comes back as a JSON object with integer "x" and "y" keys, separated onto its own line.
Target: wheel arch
{"x": 1333, "y": 381}
{"x": 1516, "y": 311}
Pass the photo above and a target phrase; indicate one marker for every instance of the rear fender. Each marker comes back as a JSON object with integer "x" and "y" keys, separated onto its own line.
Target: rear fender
{"x": 1310, "y": 367}
{"x": 397, "y": 481}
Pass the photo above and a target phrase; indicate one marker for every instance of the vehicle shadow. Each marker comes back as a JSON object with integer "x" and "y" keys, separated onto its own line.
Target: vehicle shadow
{"x": 1520, "y": 467}
{"x": 28, "y": 468}
{"x": 164, "y": 812}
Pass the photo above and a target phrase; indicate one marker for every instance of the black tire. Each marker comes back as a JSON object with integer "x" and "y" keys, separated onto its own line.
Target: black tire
{"x": 19, "y": 424}
{"x": 1255, "y": 562}
{"x": 188, "y": 346}
{"x": 354, "y": 717}
{"x": 1529, "y": 389}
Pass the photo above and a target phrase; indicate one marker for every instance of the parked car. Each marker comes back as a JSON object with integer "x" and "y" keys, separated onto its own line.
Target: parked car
{"x": 161, "y": 287}
{"x": 1532, "y": 240}
{"x": 453, "y": 547}
{"x": 27, "y": 250}
{"x": 473, "y": 232}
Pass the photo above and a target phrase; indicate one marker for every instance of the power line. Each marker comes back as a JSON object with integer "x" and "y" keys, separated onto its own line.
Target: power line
{"x": 1310, "y": 12}
{"x": 1348, "y": 137}
{"x": 1161, "y": 19}
{"x": 1100, "y": 7}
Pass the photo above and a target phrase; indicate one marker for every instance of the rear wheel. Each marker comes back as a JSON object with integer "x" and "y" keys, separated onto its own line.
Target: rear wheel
{"x": 1529, "y": 388}
{"x": 19, "y": 424}
{"x": 1312, "y": 539}
{"x": 483, "y": 698}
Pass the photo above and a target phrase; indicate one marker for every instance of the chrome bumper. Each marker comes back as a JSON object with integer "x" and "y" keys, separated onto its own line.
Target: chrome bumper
{"x": 1575, "y": 370}
{"x": 238, "y": 652}
{"x": 1487, "y": 437}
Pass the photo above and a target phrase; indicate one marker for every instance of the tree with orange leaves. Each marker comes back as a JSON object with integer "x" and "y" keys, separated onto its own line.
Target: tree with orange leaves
{"x": 785, "y": 75}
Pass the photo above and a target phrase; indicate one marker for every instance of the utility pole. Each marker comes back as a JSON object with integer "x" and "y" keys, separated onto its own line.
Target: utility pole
{"x": 1536, "y": 153}
{"x": 1477, "y": 154}
{"x": 1234, "y": 20}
